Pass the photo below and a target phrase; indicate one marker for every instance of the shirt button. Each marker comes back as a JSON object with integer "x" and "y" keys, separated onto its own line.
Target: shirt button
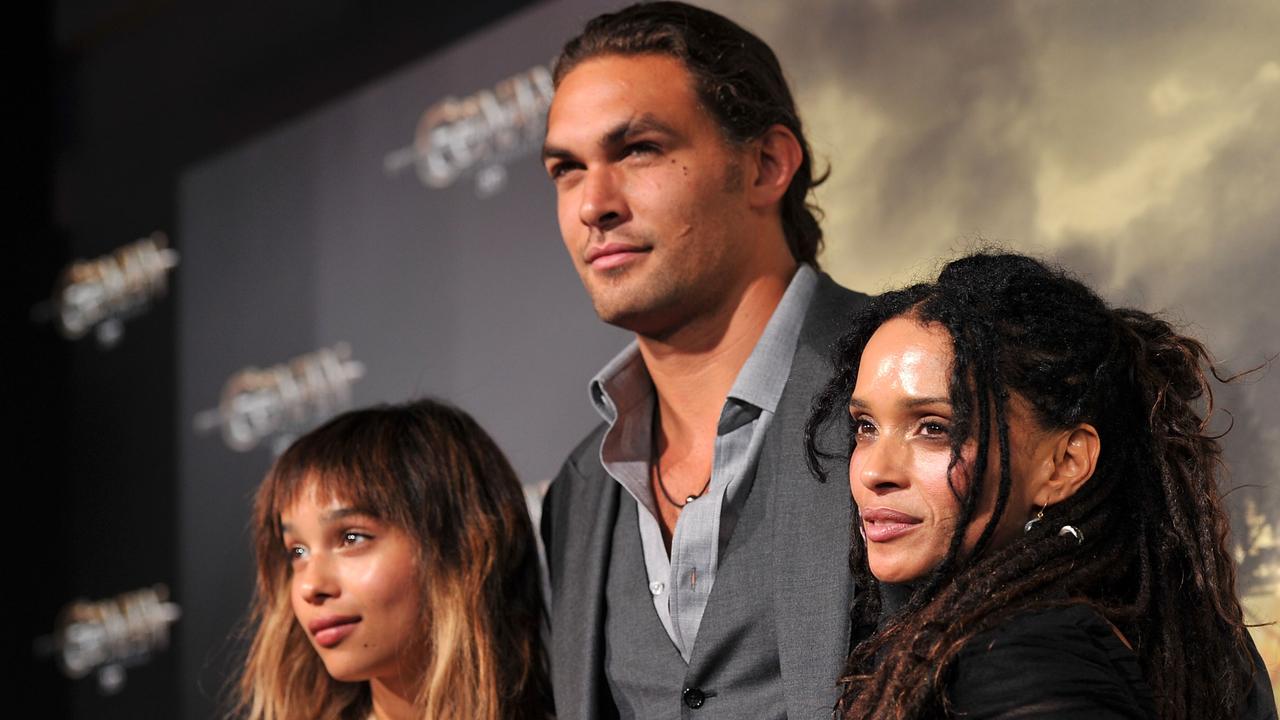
{"x": 694, "y": 698}
{"x": 657, "y": 587}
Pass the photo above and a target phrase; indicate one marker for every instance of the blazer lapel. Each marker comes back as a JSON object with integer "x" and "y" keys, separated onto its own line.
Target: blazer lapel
{"x": 577, "y": 623}
{"x": 811, "y": 522}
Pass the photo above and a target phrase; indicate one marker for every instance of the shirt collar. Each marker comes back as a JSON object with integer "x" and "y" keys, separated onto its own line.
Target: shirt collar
{"x": 763, "y": 377}
{"x": 620, "y": 384}
{"x": 624, "y": 381}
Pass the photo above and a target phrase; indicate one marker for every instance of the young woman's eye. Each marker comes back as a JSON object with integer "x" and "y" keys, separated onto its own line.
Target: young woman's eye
{"x": 295, "y": 552}
{"x": 355, "y": 538}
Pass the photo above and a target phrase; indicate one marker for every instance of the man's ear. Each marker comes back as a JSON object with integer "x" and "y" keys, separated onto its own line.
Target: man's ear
{"x": 1075, "y": 457}
{"x": 775, "y": 157}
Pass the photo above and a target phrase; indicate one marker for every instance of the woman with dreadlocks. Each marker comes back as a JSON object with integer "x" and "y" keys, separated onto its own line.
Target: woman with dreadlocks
{"x": 1039, "y": 530}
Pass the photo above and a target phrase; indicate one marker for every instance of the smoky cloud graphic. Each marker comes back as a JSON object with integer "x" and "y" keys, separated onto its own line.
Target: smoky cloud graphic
{"x": 1210, "y": 257}
{"x": 1136, "y": 143}
{"x": 923, "y": 111}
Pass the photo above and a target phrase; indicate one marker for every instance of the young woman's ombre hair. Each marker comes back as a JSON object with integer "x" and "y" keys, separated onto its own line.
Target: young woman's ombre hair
{"x": 429, "y": 469}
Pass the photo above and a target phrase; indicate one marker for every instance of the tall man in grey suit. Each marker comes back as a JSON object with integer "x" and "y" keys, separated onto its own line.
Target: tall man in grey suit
{"x": 697, "y": 569}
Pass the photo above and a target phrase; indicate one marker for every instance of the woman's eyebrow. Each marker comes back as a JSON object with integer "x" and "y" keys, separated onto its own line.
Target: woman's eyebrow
{"x": 858, "y": 404}
{"x": 917, "y": 402}
{"x": 333, "y": 516}
{"x": 343, "y": 513}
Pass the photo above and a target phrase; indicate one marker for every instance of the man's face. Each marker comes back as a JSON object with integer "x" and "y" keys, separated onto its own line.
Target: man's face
{"x": 651, "y": 199}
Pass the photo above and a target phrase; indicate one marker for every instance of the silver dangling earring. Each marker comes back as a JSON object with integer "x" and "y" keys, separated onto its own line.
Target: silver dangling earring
{"x": 1074, "y": 532}
{"x": 1032, "y": 522}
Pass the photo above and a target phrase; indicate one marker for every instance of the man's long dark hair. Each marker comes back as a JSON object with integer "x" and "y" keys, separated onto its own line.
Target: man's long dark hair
{"x": 737, "y": 78}
{"x": 1154, "y": 559}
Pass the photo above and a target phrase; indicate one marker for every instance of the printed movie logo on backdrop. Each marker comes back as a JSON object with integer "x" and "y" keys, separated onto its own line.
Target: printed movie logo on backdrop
{"x": 479, "y": 134}
{"x": 107, "y": 636}
{"x": 100, "y": 294}
{"x": 278, "y": 401}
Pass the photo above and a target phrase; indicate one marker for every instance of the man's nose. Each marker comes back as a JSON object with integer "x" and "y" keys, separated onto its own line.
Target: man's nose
{"x": 604, "y": 205}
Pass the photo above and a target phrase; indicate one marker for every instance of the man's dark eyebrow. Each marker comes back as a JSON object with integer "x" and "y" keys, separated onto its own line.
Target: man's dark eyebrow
{"x": 616, "y": 135}
{"x": 551, "y": 151}
{"x": 647, "y": 122}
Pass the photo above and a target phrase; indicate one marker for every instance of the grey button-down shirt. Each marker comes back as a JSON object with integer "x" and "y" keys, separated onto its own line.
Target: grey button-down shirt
{"x": 623, "y": 394}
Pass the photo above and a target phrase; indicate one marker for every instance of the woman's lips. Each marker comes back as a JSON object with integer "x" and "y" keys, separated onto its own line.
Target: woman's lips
{"x": 885, "y": 524}
{"x": 330, "y": 631}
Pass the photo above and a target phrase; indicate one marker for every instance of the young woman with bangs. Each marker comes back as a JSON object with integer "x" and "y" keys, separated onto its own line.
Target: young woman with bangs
{"x": 397, "y": 576}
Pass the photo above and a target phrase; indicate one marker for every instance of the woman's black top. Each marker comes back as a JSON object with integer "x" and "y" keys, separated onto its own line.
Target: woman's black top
{"x": 1063, "y": 662}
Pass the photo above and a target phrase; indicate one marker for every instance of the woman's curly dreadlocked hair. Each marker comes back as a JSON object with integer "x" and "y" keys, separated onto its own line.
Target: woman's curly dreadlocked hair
{"x": 1154, "y": 559}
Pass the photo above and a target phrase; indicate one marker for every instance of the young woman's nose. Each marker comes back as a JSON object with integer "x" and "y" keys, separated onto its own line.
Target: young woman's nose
{"x": 316, "y": 579}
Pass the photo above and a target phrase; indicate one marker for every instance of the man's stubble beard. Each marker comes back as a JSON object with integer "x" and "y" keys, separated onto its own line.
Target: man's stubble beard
{"x": 647, "y": 306}
{"x": 666, "y": 300}
{"x": 659, "y": 302}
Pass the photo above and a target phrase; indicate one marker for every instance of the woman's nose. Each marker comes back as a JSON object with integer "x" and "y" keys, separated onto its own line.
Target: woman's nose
{"x": 879, "y": 465}
{"x": 316, "y": 580}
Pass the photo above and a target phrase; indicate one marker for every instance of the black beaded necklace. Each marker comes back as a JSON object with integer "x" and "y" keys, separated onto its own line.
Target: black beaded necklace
{"x": 657, "y": 465}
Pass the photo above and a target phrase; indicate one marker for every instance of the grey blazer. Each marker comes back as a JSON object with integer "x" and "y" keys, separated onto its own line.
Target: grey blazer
{"x": 810, "y": 523}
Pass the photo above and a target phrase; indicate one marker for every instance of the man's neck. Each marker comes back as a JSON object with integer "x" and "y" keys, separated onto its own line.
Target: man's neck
{"x": 694, "y": 368}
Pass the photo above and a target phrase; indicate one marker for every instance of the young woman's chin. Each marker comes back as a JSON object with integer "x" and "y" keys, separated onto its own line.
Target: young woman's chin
{"x": 345, "y": 671}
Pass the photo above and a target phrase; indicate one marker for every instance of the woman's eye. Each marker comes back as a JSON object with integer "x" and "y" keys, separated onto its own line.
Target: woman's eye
{"x": 354, "y": 538}
{"x": 295, "y": 552}
{"x": 934, "y": 428}
{"x": 862, "y": 429}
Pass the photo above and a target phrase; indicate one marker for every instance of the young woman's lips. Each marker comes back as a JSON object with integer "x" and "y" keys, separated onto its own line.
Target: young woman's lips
{"x": 884, "y": 524}
{"x": 330, "y": 631}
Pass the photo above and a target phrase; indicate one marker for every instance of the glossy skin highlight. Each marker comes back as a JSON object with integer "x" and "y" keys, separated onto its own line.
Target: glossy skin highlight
{"x": 356, "y": 592}
{"x": 902, "y": 419}
{"x": 652, "y": 202}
